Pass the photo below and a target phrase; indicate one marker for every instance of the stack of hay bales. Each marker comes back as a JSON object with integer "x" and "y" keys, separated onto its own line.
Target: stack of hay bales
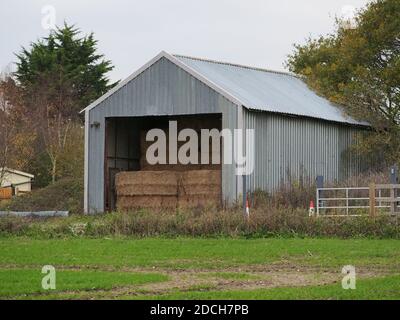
{"x": 167, "y": 189}
{"x": 146, "y": 189}
{"x": 199, "y": 188}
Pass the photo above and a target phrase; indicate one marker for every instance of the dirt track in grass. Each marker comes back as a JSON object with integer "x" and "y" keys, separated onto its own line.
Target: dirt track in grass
{"x": 199, "y": 268}
{"x": 235, "y": 278}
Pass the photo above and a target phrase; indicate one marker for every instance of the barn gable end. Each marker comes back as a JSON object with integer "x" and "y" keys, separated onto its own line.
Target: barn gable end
{"x": 162, "y": 89}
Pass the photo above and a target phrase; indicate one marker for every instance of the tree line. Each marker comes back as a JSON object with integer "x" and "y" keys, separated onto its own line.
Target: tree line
{"x": 41, "y": 128}
{"x": 358, "y": 67}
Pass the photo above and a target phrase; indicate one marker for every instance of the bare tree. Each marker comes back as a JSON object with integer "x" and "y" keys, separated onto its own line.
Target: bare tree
{"x": 7, "y": 129}
{"x": 16, "y": 135}
{"x": 51, "y": 118}
{"x": 55, "y": 135}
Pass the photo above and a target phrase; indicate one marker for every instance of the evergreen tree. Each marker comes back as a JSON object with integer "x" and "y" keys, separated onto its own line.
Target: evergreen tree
{"x": 67, "y": 67}
{"x": 58, "y": 76}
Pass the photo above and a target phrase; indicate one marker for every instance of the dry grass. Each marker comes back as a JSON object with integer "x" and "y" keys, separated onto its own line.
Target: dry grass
{"x": 284, "y": 214}
{"x": 208, "y": 222}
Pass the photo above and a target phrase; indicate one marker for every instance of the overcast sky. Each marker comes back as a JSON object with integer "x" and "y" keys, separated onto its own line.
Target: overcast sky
{"x": 252, "y": 32}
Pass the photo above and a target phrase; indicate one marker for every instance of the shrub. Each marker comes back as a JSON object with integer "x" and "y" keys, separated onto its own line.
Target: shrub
{"x": 63, "y": 195}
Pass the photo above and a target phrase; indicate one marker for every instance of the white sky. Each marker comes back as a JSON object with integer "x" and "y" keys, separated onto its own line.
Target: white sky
{"x": 130, "y": 32}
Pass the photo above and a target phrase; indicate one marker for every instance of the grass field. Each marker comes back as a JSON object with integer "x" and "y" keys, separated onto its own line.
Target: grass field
{"x": 194, "y": 268}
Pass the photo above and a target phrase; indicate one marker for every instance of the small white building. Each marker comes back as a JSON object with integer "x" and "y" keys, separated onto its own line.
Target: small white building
{"x": 20, "y": 181}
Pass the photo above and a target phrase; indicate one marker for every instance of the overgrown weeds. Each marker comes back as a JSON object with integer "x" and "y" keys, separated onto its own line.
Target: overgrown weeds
{"x": 207, "y": 223}
{"x": 282, "y": 214}
{"x": 63, "y": 195}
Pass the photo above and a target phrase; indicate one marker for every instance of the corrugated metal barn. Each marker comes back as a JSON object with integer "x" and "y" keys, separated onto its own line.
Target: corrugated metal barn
{"x": 297, "y": 133}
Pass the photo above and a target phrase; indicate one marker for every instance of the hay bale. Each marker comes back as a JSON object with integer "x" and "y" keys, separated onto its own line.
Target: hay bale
{"x": 195, "y": 177}
{"x": 168, "y": 189}
{"x": 126, "y": 203}
{"x": 191, "y": 201}
{"x": 199, "y": 189}
{"x": 145, "y": 177}
{"x": 147, "y": 189}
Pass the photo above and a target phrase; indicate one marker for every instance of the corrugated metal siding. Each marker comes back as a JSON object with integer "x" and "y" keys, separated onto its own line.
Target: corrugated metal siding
{"x": 163, "y": 89}
{"x": 285, "y": 146}
{"x": 289, "y": 148}
{"x": 268, "y": 90}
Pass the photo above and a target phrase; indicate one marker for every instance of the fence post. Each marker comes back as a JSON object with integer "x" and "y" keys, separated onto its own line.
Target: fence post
{"x": 320, "y": 185}
{"x": 393, "y": 174}
{"x": 317, "y": 202}
{"x": 392, "y": 200}
{"x": 372, "y": 209}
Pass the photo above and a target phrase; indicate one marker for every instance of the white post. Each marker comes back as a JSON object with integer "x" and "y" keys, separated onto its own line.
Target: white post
{"x": 86, "y": 165}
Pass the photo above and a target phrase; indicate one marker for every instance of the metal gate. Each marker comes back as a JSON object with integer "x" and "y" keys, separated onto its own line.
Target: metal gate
{"x": 358, "y": 201}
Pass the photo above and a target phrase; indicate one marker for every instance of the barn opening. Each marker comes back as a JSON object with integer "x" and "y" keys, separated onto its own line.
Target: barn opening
{"x": 132, "y": 182}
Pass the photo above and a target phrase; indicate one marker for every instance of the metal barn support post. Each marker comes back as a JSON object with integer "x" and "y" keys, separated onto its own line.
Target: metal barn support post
{"x": 244, "y": 196}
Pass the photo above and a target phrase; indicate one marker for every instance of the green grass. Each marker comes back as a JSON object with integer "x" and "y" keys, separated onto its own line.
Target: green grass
{"x": 198, "y": 253}
{"x": 387, "y": 288}
{"x": 94, "y": 268}
{"x": 28, "y": 281}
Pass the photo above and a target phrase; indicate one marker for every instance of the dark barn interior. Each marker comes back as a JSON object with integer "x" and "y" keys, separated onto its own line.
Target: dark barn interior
{"x": 131, "y": 182}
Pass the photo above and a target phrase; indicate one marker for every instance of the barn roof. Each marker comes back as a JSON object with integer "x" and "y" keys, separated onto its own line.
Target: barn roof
{"x": 254, "y": 88}
{"x": 267, "y": 90}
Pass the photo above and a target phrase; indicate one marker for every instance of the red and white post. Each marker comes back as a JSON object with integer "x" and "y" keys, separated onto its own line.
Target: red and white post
{"x": 311, "y": 211}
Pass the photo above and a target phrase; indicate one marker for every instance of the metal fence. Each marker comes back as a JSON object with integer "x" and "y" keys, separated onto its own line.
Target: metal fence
{"x": 357, "y": 201}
